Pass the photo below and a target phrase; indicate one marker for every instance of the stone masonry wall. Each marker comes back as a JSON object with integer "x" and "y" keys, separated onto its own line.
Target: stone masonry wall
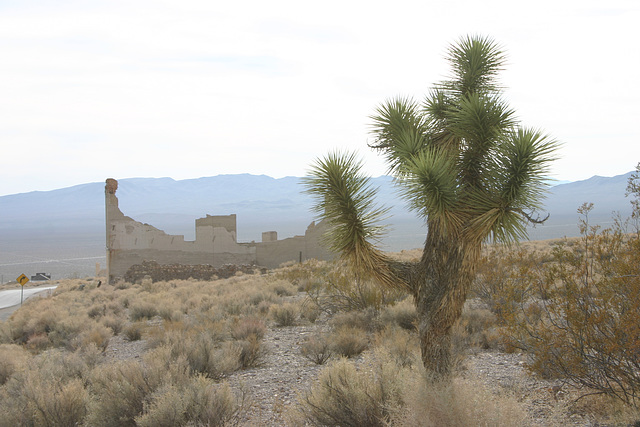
{"x": 158, "y": 272}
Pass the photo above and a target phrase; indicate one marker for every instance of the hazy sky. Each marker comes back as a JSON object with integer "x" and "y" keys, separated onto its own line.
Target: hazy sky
{"x": 135, "y": 88}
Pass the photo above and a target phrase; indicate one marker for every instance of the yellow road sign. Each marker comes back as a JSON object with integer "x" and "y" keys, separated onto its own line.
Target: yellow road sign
{"x": 22, "y": 280}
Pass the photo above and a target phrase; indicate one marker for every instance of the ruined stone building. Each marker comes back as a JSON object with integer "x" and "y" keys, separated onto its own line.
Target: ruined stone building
{"x": 130, "y": 242}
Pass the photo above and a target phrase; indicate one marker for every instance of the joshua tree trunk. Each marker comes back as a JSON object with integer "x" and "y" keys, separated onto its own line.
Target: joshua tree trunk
{"x": 446, "y": 271}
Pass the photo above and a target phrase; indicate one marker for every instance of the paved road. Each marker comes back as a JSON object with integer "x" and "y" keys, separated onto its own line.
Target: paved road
{"x": 11, "y": 297}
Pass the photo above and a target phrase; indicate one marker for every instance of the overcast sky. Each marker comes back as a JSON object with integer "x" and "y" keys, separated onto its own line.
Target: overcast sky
{"x": 185, "y": 89}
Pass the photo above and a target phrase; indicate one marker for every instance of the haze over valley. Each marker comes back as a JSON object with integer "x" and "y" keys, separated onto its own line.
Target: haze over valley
{"x": 62, "y": 231}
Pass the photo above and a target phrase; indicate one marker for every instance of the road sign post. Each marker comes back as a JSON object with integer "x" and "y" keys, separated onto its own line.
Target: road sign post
{"x": 22, "y": 279}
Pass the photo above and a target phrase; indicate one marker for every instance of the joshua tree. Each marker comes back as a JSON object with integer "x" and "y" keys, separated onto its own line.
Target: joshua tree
{"x": 464, "y": 165}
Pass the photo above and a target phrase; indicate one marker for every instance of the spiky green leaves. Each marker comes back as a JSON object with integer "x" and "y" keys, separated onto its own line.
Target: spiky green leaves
{"x": 345, "y": 198}
{"x": 400, "y": 131}
{"x": 516, "y": 185}
{"x": 523, "y": 165}
{"x": 476, "y": 62}
{"x": 429, "y": 184}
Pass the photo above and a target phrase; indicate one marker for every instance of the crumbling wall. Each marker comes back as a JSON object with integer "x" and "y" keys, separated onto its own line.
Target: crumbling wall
{"x": 273, "y": 253}
{"x": 130, "y": 242}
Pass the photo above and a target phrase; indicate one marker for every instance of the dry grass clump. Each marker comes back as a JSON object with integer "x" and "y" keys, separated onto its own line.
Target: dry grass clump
{"x": 461, "y": 402}
{"x": 113, "y": 322}
{"x": 345, "y": 396}
{"x": 306, "y": 276}
{"x": 317, "y": 349}
{"x": 285, "y": 314}
{"x": 245, "y": 327}
{"x": 282, "y": 288}
{"x": 162, "y": 391}
{"x": 366, "y": 320}
{"x": 382, "y": 393}
{"x": 199, "y": 402}
{"x": 403, "y": 313}
{"x": 63, "y": 320}
{"x": 133, "y": 331}
{"x": 309, "y": 311}
{"x": 48, "y": 391}
{"x": 400, "y": 345}
{"x": 142, "y": 310}
{"x": 12, "y": 359}
{"x": 349, "y": 341}
{"x": 477, "y": 328}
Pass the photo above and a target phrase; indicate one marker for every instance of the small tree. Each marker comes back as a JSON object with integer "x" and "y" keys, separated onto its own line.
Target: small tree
{"x": 464, "y": 165}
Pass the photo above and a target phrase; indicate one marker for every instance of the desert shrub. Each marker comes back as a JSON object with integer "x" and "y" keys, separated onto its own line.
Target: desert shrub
{"x": 475, "y": 329}
{"x": 142, "y": 310}
{"x": 38, "y": 342}
{"x": 49, "y": 391}
{"x": 41, "y": 401}
{"x": 506, "y": 276}
{"x": 169, "y": 312}
{"x": 65, "y": 332}
{"x": 203, "y": 346}
{"x": 252, "y": 352}
{"x": 305, "y": 275}
{"x": 403, "y": 314}
{"x": 206, "y": 356}
{"x": 348, "y": 341}
{"x": 317, "y": 349}
{"x": 113, "y": 322}
{"x": 588, "y": 329}
{"x": 342, "y": 292}
{"x": 285, "y": 314}
{"x": 247, "y": 326}
{"x": 365, "y": 320}
{"x": 199, "y": 402}
{"x": 119, "y": 392}
{"x": 344, "y": 396}
{"x": 133, "y": 331}
{"x": 34, "y": 318}
{"x": 399, "y": 345}
{"x": 98, "y": 335}
{"x": 12, "y": 358}
{"x": 460, "y": 402}
{"x": 282, "y": 288}
{"x": 309, "y": 311}
{"x": 97, "y": 310}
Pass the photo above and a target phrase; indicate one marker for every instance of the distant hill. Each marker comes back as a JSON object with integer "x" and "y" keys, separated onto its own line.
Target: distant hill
{"x": 62, "y": 231}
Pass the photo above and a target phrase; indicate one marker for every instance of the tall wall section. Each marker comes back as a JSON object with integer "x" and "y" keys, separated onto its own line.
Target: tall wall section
{"x": 130, "y": 242}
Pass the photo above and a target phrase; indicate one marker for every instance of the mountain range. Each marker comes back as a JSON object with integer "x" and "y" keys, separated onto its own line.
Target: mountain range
{"x": 62, "y": 231}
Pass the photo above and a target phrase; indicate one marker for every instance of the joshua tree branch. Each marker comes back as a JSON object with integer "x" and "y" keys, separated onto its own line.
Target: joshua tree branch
{"x": 531, "y": 219}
